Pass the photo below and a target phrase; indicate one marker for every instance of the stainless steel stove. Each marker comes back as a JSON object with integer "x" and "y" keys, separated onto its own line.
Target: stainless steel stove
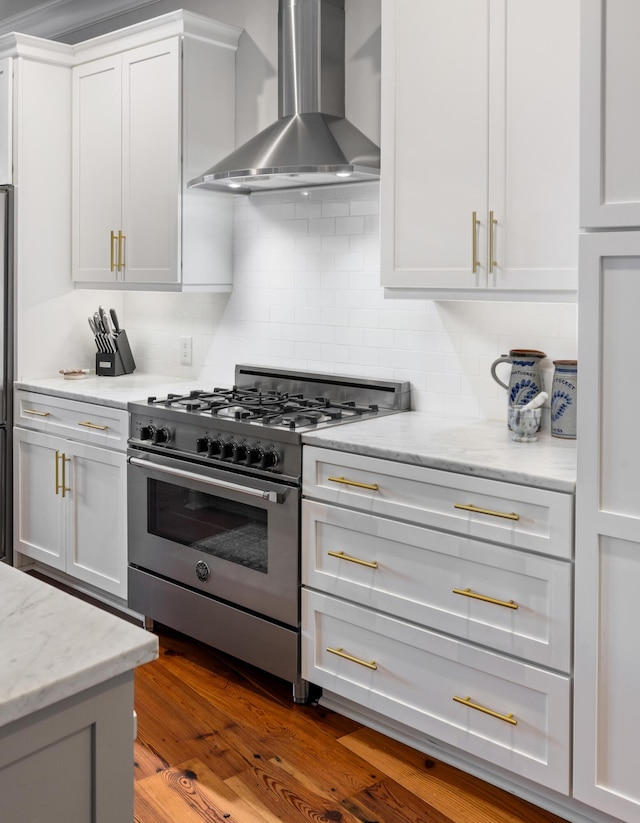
{"x": 214, "y": 486}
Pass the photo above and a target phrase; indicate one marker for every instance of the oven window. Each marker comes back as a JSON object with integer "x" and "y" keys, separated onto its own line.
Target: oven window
{"x": 233, "y": 531}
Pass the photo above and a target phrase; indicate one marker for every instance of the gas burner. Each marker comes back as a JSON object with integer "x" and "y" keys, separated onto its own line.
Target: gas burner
{"x": 236, "y": 412}
{"x": 189, "y": 404}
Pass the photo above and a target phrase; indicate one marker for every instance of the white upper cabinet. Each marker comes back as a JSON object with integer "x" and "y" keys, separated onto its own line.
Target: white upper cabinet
{"x": 6, "y": 121}
{"x": 610, "y": 114}
{"x": 147, "y": 117}
{"x": 479, "y": 183}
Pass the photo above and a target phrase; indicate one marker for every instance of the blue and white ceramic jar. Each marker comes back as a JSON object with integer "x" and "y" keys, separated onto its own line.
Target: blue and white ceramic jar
{"x": 563, "y": 399}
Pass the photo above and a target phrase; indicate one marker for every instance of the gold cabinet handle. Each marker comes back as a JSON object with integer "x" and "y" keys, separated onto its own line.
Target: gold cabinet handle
{"x": 113, "y": 257}
{"x": 478, "y": 510}
{"x": 373, "y": 486}
{"x": 371, "y": 564}
{"x": 492, "y": 223}
{"x": 509, "y": 604}
{"x": 64, "y": 461}
{"x": 92, "y": 425}
{"x": 33, "y": 411}
{"x": 121, "y": 239}
{"x": 474, "y": 241}
{"x": 466, "y": 701}
{"x": 369, "y": 664}
{"x": 61, "y": 487}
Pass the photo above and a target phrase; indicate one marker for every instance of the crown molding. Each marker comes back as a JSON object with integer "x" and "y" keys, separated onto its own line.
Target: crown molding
{"x": 57, "y": 19}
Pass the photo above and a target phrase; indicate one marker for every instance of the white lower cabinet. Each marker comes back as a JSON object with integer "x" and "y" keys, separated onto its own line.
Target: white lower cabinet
{"x": 442, "y": 602}
{"x": 70, "y": 496}
{"x": 508, "y": 712}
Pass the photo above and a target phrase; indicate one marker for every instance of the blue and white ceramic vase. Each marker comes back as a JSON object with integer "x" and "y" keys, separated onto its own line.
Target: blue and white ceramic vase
{"x": 525, "y": 380}
{"x": 563, "y": 399}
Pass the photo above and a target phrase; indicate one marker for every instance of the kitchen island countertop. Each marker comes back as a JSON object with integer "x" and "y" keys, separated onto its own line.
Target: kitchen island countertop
{"x": 55, "y": 646}
{"x": 482, "y": 448}
{"x": 115, "y": 392}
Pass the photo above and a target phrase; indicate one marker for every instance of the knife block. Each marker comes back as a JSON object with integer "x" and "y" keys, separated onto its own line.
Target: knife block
{"x": 111, "y": 364}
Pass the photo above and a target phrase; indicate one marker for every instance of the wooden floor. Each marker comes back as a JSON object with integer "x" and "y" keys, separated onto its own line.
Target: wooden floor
{"x": 221, "y": 741}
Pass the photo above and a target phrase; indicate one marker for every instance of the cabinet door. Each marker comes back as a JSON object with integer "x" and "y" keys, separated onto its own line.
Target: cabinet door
{"x": 38, "y": 502}
{"x": 533, "y": 145}
{"x": 434, "y": 142}
{"x": 610, "y": 113}
{"x": 97, "y": 165}
{"x": 607, "y": 564}
{"x": 97, "y": 529}
{"x": 480, "y": 117}
{"x": 151, "y": 173}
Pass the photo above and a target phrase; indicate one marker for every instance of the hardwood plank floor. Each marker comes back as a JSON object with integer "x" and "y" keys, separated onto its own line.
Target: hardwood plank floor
{"x": 221, "y": 742}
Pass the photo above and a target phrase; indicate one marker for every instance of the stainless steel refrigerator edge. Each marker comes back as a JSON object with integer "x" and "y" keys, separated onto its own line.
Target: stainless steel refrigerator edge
{"x": 6, "y": 364}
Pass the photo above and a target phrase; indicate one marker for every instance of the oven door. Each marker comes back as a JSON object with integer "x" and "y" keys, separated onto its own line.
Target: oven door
{"x": 230, "y": 536}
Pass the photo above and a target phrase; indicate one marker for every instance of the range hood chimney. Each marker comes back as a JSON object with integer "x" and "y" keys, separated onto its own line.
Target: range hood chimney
{"x": 311, "y": 143}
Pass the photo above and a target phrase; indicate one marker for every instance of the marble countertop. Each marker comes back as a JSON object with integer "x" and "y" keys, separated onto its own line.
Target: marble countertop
{"x": 481, "y": 448}
{"x": 115, "y": 392}
{"x": 55, "y": 645}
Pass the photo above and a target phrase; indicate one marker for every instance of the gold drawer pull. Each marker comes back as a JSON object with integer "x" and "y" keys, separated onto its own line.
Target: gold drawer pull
{"x": 373, "y": 486}
{"x": 369, "y": 664}
{"x": 478, "y": 510}
{"x": 509, "y": 604}
{"x": 93, "y": 426}
{"x": 39, "y": 413}
{"x": 371, "y": 564}
{"x": 466, "y": 701}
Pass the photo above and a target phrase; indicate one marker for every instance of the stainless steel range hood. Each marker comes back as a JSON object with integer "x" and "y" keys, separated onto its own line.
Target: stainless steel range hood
{"x": 311, "y": 143}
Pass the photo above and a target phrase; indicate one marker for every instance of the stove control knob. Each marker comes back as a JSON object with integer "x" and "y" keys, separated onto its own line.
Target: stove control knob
{"x": 254, "y": 454}
{"x": 269, "y": 459}
{"x": 202, "y": 445}
{"x": 162, "y": 435}
{"x": 239, "y": 451}
{"x": 217, "y": 448}
{"x": 222, "y": 449}
{"x": 147, "y": 432}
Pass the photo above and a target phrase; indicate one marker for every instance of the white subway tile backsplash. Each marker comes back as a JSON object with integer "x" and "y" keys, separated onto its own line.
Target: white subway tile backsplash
{"x": 349, "y": 262}
{"x": 335, "y": 316}
{"x": 349, "y": 225}
{"x": 336, "y": 243}
{"x": 331, "y": 209}
{"x": 322, "y": 226}
{"x": 306, "y": 295}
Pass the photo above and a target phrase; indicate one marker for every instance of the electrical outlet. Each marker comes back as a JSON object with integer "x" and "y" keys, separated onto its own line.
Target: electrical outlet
{"x": 186, "y": 345}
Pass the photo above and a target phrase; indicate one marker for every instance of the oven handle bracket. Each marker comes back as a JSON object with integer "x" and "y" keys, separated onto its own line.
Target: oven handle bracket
{"x": 271, "y": 496}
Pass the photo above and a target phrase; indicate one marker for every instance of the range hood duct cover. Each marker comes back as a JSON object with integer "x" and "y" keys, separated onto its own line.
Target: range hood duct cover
{"x": 311, "y": 143}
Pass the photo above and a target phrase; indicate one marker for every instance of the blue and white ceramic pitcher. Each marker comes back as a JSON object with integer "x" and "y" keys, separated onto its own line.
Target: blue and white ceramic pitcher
{"x": 525, "y": 380}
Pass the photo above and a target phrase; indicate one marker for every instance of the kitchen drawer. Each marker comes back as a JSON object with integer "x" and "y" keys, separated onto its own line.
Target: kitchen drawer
{"x": 516, "y": 715}
{"x": 518, "y": 516}
{"x": 429, "y": 577}
{"x": 76, "y": 420}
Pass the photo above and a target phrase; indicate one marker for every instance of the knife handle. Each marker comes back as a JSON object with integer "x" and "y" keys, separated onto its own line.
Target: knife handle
{"x": 114, "y": 319}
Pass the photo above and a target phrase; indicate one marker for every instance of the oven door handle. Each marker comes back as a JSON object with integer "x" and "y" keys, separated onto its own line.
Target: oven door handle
{"x": 271, "y": 496}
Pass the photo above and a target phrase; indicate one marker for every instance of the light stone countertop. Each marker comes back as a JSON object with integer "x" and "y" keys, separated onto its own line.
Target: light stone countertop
{"x": 54, "y": 645}
{"x": 480, "y": 448}
{"x": 115, "y": 392}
